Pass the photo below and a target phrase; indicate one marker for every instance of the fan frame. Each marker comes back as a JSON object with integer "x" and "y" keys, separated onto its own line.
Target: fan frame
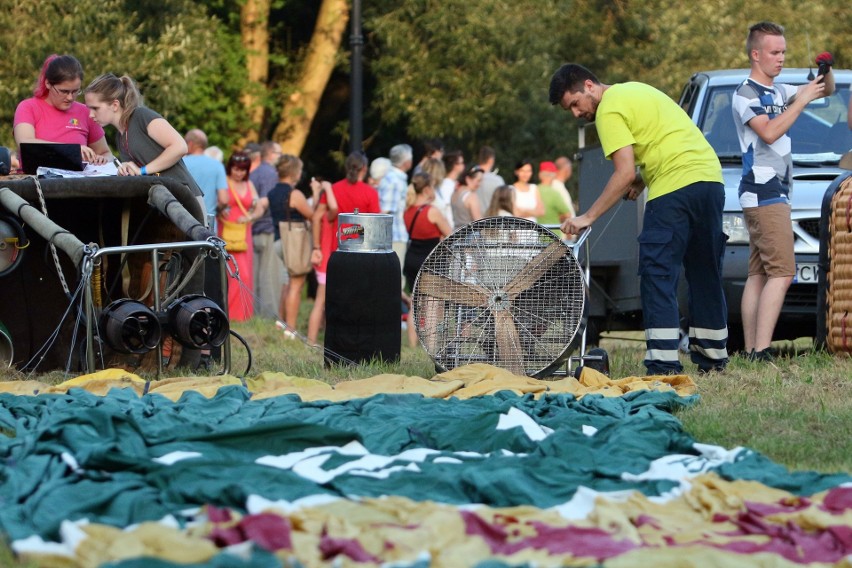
{"x": 499, "y": 300}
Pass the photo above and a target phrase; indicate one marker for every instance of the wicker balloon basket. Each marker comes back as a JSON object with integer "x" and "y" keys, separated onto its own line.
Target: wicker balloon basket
{"x": 836, "y": 267}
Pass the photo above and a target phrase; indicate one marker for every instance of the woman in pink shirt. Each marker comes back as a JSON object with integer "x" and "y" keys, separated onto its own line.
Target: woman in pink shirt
{"x": 54, "y": 115}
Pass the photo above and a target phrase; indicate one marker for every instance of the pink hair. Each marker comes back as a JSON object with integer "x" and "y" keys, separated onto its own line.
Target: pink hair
{"x": 40, "y": 90}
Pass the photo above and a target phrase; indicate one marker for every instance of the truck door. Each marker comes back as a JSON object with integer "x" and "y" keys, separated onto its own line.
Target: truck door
{"x": 614, "y": 291}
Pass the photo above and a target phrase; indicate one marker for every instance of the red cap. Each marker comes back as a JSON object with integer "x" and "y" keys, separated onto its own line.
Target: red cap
{"x": 547, "y": 167}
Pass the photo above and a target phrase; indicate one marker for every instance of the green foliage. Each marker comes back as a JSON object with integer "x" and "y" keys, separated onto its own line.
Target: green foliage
{"x": 477, "y": 71}
{"x": 470, "y": 72}
{"x": 187, "y": 68}
{"x": 663, "y": 44}
{"x": 212, "y": 99}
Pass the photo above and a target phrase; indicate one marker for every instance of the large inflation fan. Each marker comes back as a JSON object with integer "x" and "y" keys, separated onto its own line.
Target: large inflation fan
{"x": 504, "y": 291}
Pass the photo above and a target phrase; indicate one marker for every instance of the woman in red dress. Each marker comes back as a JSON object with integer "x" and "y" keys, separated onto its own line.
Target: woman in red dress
{"x": 239, "y": 204}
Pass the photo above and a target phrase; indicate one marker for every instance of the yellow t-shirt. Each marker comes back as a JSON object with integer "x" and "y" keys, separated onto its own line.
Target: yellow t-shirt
{"x": 669, "y": 149}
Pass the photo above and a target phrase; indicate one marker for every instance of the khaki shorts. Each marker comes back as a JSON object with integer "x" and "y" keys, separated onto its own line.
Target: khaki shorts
{"x": 770, "y": 234}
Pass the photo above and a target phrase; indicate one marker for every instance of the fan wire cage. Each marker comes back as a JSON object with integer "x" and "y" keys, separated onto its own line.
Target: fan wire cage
{"x": 504, "y": 291}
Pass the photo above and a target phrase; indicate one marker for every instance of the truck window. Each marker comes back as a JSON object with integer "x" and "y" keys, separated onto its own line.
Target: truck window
{"x": 688, "y": 97}
{"x": 820, "y": 134}
{"x": 718, "y": 124}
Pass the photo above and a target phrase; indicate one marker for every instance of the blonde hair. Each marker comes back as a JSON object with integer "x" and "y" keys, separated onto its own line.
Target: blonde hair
{"x": 419, "y": 182}
{"x": 288, "y": 165}
{"x": 436, "y": 170}
{"x": 108, "y": 88}
{"x": 503, "y": 199}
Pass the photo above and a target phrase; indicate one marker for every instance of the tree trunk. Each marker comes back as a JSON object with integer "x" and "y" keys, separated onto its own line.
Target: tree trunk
{"x": 254, "y": 31}
{"x": 299, "y": 110}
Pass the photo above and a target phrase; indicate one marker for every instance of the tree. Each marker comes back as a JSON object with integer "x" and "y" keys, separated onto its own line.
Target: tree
{"x": 477, "y": 71}
{"x": 299, "y": 109}
{"x": 254, "y": 31}
{"x": 185, "y": 65}
{"x": 470, "y": 72}
{"x": 655, "y": 42}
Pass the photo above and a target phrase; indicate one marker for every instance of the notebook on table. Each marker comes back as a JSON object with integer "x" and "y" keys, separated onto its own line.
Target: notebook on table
{"x": 35, "y": 155}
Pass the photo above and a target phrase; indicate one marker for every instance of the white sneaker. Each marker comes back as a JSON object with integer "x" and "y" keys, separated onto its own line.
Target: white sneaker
{"x": 288, "y": 334}
{"x": 683, "y": 346}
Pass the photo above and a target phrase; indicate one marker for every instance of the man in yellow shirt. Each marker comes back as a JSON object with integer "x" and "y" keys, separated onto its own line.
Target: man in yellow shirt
{"x": 641, "y": 126}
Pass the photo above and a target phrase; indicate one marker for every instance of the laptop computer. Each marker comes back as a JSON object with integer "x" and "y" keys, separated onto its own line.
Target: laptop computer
{"x": 35, "y": 155}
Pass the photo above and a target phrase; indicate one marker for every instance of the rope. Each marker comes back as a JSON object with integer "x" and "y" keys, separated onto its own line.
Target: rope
{"x": 38, "y": 356}
{"x": 178, "y": 285}
{"x": 52, "y": 246}
{"x": 117, "y": 278}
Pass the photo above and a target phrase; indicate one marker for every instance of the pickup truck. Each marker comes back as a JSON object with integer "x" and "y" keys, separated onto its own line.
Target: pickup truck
{"x": 820, "y": 137}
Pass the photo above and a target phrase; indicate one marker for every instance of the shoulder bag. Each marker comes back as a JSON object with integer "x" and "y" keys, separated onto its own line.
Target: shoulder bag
{"x": 233, "y": 233}
{"x": 296, "y": 243}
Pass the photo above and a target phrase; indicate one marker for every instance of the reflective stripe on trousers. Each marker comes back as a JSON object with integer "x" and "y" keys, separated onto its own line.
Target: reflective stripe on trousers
{"x": 711, "y": 343}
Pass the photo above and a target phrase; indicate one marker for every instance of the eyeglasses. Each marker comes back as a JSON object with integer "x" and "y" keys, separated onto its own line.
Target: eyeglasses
{"x": 73, "y": 93}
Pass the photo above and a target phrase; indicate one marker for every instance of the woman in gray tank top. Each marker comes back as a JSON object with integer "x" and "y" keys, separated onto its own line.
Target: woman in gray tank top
{"x": 464, "y": 202}
{"x": 146, "y": 142}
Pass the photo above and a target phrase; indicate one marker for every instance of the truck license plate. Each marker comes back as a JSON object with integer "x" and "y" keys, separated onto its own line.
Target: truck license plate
{"x": 806, "y": 273}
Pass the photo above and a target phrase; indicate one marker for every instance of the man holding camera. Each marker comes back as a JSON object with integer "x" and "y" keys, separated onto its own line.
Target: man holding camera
{"x": 764, "y": 111}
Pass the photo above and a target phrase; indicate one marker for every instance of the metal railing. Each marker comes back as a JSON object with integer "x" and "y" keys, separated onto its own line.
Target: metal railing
{"x": 154, "y": 249}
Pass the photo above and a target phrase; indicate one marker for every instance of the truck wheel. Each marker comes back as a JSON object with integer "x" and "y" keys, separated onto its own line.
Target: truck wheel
{"x": 594, "y": 328}
{"x": 601, "y": 363}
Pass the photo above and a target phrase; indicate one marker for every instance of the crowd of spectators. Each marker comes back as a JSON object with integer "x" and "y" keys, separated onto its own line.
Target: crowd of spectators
{"x": 264, "y": 190}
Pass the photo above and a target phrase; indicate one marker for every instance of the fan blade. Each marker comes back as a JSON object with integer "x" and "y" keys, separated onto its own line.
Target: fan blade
{"x": 508, "y": 342}
{"x": 443, "y": 288}
{"x": 535, "y": 268}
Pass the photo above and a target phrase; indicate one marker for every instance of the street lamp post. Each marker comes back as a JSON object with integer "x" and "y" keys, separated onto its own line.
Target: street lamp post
{"x": 356, "y": 42}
